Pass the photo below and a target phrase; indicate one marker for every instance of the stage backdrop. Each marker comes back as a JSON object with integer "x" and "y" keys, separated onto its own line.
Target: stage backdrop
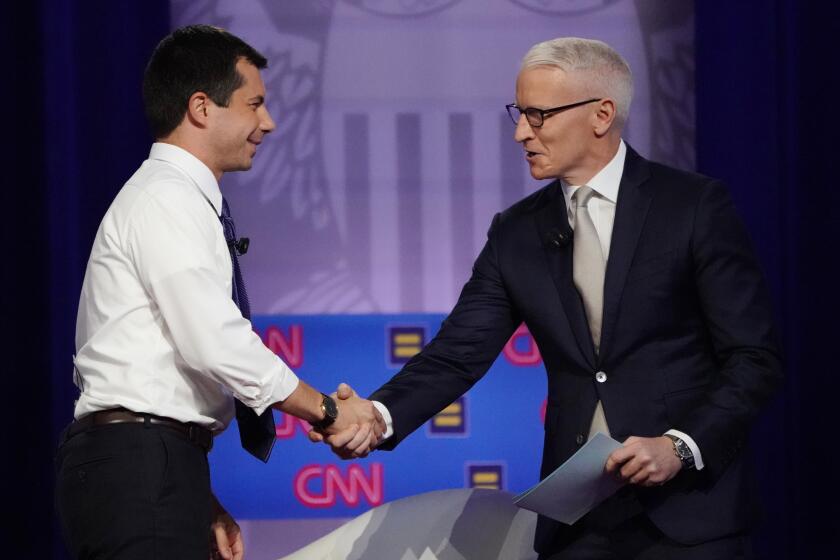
{"x": 368, "y": 204}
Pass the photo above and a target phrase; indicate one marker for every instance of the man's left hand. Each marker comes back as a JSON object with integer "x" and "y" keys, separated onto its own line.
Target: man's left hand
{"x": 225, "y": 536}
{"x": 645, "y": 461}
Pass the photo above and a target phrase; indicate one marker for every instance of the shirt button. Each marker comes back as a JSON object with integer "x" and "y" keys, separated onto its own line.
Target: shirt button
{"x": 579, "y": 439}
{"x": 600, "y": 377}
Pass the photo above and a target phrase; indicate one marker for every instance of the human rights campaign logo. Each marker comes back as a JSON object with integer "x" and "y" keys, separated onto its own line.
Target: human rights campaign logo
{"x": 489, "y": 476}
{"x": 404, "y": 342}
{"x": 451, "y": 421}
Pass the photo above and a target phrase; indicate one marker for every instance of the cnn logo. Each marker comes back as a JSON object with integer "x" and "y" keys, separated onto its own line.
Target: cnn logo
{"x": 289, "y": 426}
{"x": 334, "y": 484}
{"x": 289, "y": 348}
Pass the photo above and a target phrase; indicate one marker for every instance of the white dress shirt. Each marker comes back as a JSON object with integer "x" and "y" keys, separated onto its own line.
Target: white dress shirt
{"x": 157, "y": 330}
{"x": 601, "y": 207}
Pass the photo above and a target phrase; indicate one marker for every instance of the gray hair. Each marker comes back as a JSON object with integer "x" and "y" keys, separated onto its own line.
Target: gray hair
{"x": 605, "y": 73}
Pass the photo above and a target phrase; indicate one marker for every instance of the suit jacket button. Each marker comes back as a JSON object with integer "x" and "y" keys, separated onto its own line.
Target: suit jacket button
{"x": 600, "y": 377}
{"x": 579, "y": 439}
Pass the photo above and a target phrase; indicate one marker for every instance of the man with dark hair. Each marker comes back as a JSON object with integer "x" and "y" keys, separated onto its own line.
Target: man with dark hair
{"x": 163, "y": 339}
{"x": 174, "y": 73}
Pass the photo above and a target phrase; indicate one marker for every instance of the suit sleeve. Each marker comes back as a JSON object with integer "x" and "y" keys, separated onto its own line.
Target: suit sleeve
{"x": 468, "y": 342}
{"x": 739, "y": 320}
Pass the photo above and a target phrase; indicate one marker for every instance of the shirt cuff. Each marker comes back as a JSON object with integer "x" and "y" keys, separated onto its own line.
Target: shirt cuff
{"x": 698, "y": 458}
{"x": 285, "y": 385}
{"x": 389, "y": 423}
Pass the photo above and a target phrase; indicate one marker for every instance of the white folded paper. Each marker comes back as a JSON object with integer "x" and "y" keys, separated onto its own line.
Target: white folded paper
{"x": 577, "y": 486}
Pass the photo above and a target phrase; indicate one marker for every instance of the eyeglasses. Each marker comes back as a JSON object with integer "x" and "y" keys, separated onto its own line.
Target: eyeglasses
{"x": 536, "y": 117}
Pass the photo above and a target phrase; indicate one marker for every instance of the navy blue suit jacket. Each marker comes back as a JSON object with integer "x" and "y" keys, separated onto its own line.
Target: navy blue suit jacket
{"x": 688, "y": 340}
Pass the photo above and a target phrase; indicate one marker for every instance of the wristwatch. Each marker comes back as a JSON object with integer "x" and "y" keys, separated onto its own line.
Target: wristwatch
{"x": 330, "y": 410}
{"x": 682, "y": 451}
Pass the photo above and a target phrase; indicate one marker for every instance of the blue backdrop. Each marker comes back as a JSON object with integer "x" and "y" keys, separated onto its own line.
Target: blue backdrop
{"x": 487, "y": 439}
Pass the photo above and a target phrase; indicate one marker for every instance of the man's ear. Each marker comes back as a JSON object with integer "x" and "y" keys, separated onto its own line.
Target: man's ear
{"x": 198, "y": 109}
{"x": 604, "y": 116}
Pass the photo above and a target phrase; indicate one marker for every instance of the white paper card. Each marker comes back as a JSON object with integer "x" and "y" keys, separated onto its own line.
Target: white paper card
{"x": 577, "y": 486}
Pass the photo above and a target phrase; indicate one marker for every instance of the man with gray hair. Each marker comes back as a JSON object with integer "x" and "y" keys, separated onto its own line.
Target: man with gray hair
{"x": 640, "y": 287}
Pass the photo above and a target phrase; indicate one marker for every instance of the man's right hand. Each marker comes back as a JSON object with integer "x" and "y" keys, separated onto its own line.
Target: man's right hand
{"x": 357, "y": 429}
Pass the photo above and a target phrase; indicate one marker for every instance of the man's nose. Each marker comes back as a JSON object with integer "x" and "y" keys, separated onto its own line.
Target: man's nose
{"x": 523, "y": 131}
{"x": 267, "y": 124}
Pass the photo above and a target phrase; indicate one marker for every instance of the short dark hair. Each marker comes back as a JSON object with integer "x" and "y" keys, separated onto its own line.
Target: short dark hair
{"x": 190, "y": 59}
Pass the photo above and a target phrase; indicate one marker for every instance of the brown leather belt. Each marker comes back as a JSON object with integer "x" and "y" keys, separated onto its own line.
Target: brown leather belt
{"x": 195, "y": 433}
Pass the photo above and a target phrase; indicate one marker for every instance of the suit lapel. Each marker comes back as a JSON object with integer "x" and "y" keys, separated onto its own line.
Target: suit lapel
{"x": 630, "y": 214}
{"x": 552, "y": 221}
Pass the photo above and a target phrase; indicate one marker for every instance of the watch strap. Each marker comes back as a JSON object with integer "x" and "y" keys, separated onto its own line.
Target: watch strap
{"x": 682, "y": 451}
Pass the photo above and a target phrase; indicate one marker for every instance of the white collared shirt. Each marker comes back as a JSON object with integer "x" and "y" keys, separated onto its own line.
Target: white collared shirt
{"x": 601, "y": 205}
{"x": 157, "y": 329}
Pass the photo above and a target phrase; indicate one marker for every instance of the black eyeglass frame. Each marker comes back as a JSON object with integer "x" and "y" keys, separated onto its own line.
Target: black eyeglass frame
{"x": 542, "y": 113}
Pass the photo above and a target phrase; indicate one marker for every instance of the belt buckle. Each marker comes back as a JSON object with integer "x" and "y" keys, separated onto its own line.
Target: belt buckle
{"x": 195, "y": 433}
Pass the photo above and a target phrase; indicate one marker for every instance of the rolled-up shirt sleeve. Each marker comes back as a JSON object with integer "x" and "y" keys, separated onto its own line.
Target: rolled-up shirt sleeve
{"x": 177, "y": 262}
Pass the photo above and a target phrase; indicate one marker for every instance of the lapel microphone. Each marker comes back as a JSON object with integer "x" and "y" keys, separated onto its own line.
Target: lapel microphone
{"x": 241, "y": 245}
{"x": 557, "y": 238}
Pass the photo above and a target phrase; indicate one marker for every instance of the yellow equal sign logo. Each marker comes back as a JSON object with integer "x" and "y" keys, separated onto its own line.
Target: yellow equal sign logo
{"x": 489, "y": 476}
{"x": 452, "y": 420}
{"x": 404, "y": 343}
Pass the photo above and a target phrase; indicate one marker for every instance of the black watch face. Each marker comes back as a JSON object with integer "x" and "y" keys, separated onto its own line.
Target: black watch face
{"x": 330, "y": 409}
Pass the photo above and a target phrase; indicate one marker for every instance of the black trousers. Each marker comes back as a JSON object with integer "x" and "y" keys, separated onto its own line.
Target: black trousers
{"x": 133, "y": 491}
{"x": 619, "y": 529}
{"x": 638, "y": 539}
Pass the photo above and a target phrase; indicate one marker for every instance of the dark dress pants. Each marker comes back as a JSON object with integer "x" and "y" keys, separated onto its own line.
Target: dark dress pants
{"x": 133, "y": 491}
{"x": 619, "y": 529}
{"x": 639, "y": 539}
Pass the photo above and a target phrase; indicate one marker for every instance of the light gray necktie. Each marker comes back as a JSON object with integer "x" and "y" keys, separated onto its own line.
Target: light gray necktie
{"x": 588, "y": 270}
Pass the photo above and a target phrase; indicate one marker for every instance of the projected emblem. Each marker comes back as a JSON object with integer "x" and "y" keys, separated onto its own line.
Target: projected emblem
{"x": 451, "y": 421}
{"x": 392, "y": 152}
{"x": 404, "y": 343}
{"x": 489, "y": 476}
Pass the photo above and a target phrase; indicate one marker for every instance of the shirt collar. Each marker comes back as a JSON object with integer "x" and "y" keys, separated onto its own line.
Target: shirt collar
{"x": 605, "y": 183}
{"x": 193, "y": 167}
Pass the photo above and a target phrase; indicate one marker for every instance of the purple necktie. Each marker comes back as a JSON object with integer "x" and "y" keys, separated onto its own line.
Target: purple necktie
{"x": 256, "y": 433}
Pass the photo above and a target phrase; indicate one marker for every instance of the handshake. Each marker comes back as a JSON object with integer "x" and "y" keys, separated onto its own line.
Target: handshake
{"x": 358, "y": 428}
